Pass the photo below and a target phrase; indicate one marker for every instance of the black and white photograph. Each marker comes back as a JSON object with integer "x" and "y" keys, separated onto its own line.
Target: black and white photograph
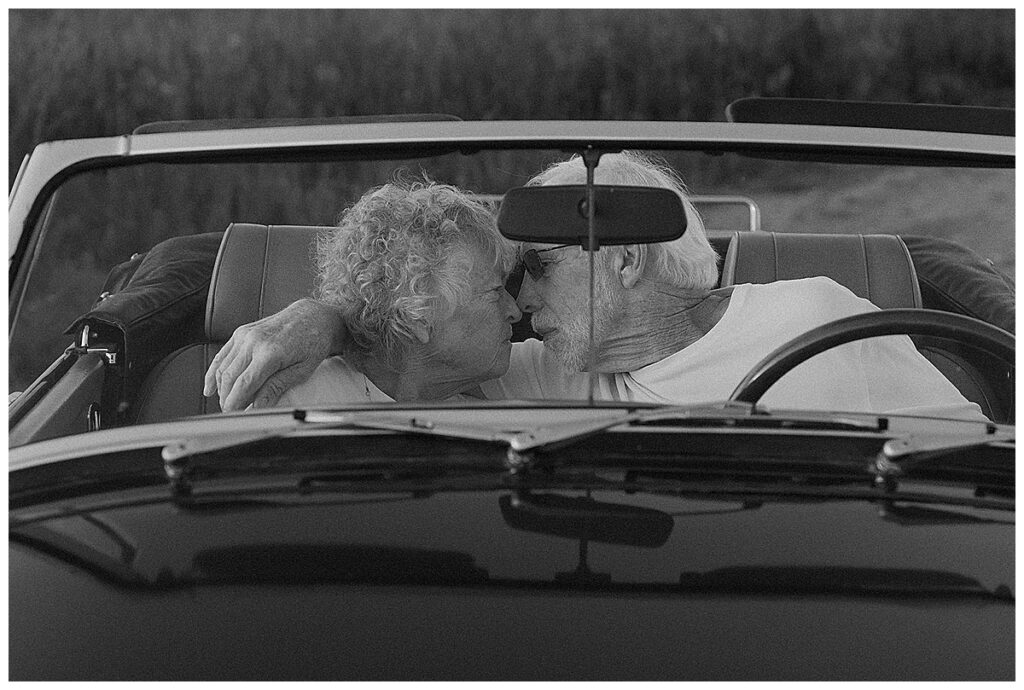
{"x": 543, "y": 344}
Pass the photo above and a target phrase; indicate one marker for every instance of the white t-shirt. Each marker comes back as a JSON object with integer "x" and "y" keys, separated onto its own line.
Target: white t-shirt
{"x": 334, "y": 382}
{"x": 885, "y": 374}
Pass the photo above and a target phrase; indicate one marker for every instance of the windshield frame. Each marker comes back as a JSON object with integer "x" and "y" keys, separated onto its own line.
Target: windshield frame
{"x": 53, "y": 162}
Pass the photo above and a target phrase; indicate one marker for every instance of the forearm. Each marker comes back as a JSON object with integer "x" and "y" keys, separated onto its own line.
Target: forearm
{"x": 331, "y": 316}
{"x": 263, "y": 359}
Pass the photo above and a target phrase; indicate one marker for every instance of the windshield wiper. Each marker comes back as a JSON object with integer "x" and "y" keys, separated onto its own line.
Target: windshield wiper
{"x": 521, "y": 444}
{"x": 905, "y": 452}
{"x": 729, "y": 414}
{"x": 177, "y": 451}
{"x": 176, "y": 455}
{"x": 526, "y": 448}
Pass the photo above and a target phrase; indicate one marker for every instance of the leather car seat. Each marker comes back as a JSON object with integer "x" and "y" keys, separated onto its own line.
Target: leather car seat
{"x": 259, "y": 270}
{"x": 875, "y": 267}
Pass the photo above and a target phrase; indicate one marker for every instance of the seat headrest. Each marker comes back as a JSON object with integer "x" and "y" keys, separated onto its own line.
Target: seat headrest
{"x": 875, "y": 267}
{"x": 260, "y": 270}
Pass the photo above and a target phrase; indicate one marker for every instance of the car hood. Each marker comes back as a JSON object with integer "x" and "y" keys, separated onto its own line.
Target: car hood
{"x": 449, "y": 585}
{"x": 345, "y": 563}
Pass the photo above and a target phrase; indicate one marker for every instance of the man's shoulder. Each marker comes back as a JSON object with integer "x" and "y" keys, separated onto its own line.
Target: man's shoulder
{"x": 818, "y": 292}
{"x": 809, "y": 286}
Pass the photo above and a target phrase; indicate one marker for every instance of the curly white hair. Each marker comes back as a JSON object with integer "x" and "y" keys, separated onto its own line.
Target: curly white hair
{"x": 400, "y": 256}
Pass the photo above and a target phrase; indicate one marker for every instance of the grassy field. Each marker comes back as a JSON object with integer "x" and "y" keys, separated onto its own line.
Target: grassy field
{"x": 81, "y": 73}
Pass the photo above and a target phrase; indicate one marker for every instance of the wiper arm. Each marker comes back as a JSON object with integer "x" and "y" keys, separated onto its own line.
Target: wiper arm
{"x": 178, "y": 450}
{"x": 521, "y": 445}
{"x": 902, "y": 453}
{"x": 176, "y": 454}
{"x": 526, "y": 443}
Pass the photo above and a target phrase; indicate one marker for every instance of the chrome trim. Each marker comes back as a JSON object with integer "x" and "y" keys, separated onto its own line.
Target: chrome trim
{"x": 17, "y": 180}
{"x": 753, "y": 210}
{"x": 51, "y": 159}
{"x": 562, "y": 132}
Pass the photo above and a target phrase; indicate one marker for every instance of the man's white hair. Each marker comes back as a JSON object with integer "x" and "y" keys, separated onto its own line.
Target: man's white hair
{"x": 688, "y": 262}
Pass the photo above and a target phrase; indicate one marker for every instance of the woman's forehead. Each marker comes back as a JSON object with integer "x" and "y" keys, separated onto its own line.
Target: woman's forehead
{"x": 482, "y": 268}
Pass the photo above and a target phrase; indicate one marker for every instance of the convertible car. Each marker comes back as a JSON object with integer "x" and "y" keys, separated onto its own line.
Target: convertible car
{"x": 154, "y": 537}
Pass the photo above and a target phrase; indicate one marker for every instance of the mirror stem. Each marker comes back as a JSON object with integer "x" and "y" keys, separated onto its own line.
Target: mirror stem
{"x": 590, "y": 160}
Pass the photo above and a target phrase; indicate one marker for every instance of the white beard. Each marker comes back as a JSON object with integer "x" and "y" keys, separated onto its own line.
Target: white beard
{"x": 571, "y": 342}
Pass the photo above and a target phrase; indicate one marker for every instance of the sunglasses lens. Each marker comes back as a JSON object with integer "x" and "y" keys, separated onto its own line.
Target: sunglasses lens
{"x": 533, "y": 265}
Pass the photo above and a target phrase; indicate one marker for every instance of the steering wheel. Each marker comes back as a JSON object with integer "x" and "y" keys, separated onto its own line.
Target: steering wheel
{"x": 942, "y": 324}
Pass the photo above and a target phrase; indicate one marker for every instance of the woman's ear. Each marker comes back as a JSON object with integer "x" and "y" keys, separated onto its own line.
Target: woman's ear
{"x": 421, "y": 331}
{"x": 629, "y": 263}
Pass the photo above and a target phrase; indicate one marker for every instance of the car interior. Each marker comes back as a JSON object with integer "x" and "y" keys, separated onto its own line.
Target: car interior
{"x": 260, "y": 269}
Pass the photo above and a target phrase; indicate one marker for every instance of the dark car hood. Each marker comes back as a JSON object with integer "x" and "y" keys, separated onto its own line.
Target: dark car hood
{"x": 445, "y": 585}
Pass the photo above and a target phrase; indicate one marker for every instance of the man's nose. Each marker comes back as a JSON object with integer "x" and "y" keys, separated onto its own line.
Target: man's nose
{"x": 528, "y": 299}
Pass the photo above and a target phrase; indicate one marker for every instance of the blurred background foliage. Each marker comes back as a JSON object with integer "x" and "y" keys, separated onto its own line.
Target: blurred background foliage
{"x": 82, "y": 73}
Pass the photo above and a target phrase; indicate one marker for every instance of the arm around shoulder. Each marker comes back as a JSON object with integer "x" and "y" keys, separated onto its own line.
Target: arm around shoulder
{"x": 264, "y": 359}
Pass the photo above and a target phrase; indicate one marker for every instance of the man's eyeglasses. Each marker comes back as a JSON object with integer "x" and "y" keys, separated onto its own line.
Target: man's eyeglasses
{"x": 531, "y": 260}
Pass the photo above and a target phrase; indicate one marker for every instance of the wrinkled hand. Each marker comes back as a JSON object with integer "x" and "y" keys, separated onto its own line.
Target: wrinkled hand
{"x": 264, "y": 359}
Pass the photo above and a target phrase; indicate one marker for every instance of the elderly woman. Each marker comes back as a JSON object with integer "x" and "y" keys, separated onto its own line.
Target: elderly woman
{"x": 417, "y": 270}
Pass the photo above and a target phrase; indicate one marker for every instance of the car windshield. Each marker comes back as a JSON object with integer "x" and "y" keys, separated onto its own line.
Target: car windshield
{"x": 102, "y": 224}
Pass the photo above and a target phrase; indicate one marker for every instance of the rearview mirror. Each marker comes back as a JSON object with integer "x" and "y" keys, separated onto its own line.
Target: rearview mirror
{"x": 557, "y": 214}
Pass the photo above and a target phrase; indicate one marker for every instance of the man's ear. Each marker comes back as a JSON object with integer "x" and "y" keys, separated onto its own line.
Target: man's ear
{"x": 629, "y": 263}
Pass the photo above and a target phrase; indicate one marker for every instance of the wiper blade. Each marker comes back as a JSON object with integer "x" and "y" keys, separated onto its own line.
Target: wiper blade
{"x": 549, "y": 437}
{"x": 904, "y": 452}
{"x": 731, "y": 413}
{"x": 516, "y": 441}
{"x": 914, "y": 448}
{"x": 176, "y": 455}
{"x": 521, "y": 444}
{"x": 184, "y": 448}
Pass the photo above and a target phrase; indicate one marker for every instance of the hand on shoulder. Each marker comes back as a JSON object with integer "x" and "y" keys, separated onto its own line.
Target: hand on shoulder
{"x": 262, "y": 360}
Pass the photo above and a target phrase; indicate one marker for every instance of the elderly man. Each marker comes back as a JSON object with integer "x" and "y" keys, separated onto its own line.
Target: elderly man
{"x": 662, "y": 333}
{"x": 415, "y": 271}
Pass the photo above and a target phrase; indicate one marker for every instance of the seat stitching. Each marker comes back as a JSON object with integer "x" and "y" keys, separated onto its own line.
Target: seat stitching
{"x": 206, "y": 361}
{"x": 912, "y": 277}
{"x": 775, "y": 257}
{"x": 263, "y": 276}
{"x": 211, "y": 295}
{"x": 867, "y": 267}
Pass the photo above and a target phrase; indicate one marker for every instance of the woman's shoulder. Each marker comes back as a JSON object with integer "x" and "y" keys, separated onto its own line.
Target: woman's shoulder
{"x": 333, "y": 381}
